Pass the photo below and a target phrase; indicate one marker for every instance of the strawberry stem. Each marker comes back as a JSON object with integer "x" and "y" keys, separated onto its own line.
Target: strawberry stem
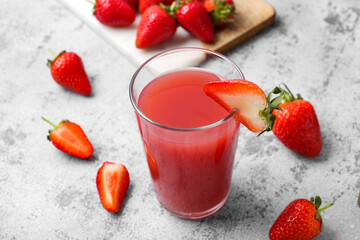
{"x": 327, "y": 206}
{"x": 289, "y": 96}
{"x": 222, "y": 13}
{"x": 266, "y": 114}
{"x": 53, "y": 53}
{"x": 172, "y": 9}
{"x": 93, "y": 3}
{"x": 49, "y": 122}
{"x": 317, "y": 202}
{"x": 49, "y": 62}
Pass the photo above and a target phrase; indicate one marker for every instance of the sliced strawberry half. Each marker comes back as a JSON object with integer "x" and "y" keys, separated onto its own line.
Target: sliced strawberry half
{"x": 112, "y": 182}
{"x": 70, "y": 138}
{"x": 154, "y": 170}
{"x": 253, "y": 107}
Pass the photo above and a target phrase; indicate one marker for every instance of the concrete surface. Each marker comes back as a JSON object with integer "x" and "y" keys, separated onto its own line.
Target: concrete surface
{"x": 313, "y": 47}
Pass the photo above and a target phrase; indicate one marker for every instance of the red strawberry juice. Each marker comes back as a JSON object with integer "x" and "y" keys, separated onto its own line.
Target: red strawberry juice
{"x": 189, "y": 161}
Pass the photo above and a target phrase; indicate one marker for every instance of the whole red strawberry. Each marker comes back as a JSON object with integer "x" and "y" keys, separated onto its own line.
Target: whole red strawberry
{"x": 193, "y": 17}
{"x": 221, "y": 11}
{"x": 300, "y": 220}
{"x": 144, "y": 4}
{"x": 69, "y": 137}
{"x": 114, "y": 13}
{"x": 156, "y": 26}
{"x": 68, "y": 71}
{"x": 297, "y": 126}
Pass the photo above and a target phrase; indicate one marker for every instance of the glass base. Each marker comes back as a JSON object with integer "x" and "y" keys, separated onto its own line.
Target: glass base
{"x": 196, "y": 215}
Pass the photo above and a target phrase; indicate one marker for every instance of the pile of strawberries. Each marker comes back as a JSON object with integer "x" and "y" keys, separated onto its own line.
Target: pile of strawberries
{"x": 160, "y": 18}
{"x": 292, "y": 120}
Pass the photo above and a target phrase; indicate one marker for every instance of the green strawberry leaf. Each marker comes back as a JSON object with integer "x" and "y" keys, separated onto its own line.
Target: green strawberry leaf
{"x": 317, "y": 202}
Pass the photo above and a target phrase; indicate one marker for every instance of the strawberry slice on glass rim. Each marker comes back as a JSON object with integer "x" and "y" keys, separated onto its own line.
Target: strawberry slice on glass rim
{"x": 253, "y": 108}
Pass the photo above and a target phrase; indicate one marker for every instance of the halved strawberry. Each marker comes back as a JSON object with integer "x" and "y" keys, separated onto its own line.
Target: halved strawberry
{"x": 153, "y": 167}
{"x": 70, "y": 138}
{"x": 253, "y": 107}
{"x": 112, "y": 182}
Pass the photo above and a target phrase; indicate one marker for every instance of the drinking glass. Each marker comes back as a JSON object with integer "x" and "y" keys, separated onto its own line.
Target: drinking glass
{"x": 190, "y": 168}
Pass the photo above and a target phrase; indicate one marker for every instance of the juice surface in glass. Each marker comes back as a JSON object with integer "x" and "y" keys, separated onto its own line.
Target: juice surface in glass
{"x": 191, "y": 170}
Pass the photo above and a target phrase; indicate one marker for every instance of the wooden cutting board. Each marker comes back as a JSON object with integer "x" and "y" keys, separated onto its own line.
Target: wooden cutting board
{"x": 252, "y": 17}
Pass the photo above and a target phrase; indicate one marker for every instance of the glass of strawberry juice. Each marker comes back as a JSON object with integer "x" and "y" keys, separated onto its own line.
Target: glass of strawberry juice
{"x": 189, "y": 139}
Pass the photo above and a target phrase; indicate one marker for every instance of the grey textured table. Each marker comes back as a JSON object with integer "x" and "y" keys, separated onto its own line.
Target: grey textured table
{"x": 313, "y": 47}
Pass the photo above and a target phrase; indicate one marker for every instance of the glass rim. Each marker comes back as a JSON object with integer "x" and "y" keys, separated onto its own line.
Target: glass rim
{"x": 174, "y": 50}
